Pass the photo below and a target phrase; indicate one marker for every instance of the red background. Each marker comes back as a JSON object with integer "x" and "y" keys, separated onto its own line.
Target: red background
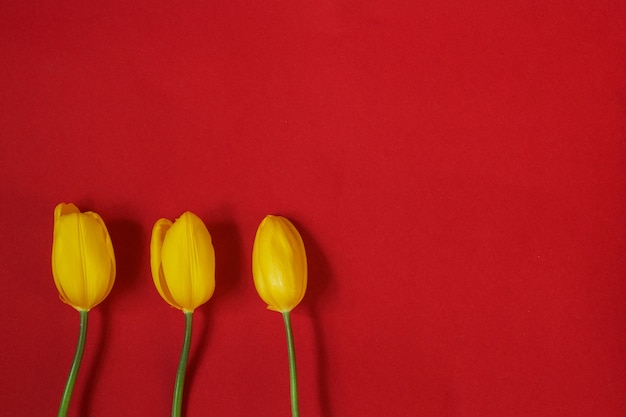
{"x": 457, "y": 170}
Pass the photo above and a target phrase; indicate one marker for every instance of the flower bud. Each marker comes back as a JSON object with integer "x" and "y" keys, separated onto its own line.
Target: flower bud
{"x": 279, "y": 265}
{"x": 182, "y": 260}
{"x": 83, "y": 262}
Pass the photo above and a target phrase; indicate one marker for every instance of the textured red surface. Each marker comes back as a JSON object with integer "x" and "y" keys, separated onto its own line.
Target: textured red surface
{"x": 457, "y": 170}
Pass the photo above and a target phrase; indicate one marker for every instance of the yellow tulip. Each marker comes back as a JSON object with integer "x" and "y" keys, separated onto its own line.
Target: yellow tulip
{"x": 83, "y": 268}
{"x": 279, "y": 265}
{"x": 83, "y": 262}
{"x": 280, "y": 275}
{"x": 182, "y": 260}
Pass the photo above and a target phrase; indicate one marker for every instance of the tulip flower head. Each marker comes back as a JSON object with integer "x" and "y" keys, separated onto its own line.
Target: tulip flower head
{"x": 182, "y": 260}
{"x": 279, "y": 270}
{"x": 83, "y": 262}
{"x": 279, "y": 266}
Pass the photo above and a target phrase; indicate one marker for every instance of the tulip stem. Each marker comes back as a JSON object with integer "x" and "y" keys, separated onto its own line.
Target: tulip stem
{"x": 78, "y": 356}
{"x": 177, "y": 403}
{"x": 293, "y": 378}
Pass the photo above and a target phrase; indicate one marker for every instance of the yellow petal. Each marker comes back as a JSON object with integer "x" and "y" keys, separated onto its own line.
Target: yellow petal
{"x": 279, "y": 264}
{"x": 64, "y": 208}
{"x": 107, "y": 286}
{"x": 156, "y": 245}
{"x": 183, "y": 259}
{"x": 202, "y": 262}
{"x": 83, "y": 262}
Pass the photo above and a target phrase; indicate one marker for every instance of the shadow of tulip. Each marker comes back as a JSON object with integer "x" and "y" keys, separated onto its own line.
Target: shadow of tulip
{"x": 319, "y": 280}
{"x": 199, "y": 341}
{"x": 228, "y": 258}
{"x": 129, "y": 244}
{"x": 98, "y": 328}
{"x": 228, "y": 264}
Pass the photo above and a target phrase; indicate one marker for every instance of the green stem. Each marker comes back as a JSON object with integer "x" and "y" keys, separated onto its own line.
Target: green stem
{"x": 78, "y": 356}
{"x": 177, "y": 403}
{"x": 293, "y": 377}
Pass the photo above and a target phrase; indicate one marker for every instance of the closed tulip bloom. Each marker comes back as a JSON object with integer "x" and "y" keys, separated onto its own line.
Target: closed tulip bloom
{"x": 83, "y": 262}
{"x": 280, "y": 274}
{"x": 182, "y": 260}
{"x": 279, "y": 266}
{"x": 83, "y": 268}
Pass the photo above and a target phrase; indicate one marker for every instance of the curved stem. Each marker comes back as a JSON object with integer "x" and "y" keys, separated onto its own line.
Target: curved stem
{"x": 177, "y": 403}
{"x": 78, "y": 356}
{"x": 293, "y": 378}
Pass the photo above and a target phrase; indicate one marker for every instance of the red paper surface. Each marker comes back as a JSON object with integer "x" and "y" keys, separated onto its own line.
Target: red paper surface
{"x": 457, "y": 170}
